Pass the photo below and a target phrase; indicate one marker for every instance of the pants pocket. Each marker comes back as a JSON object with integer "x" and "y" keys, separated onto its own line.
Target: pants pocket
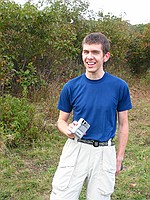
{"x": 107, "y": 175}
{"x": 109, "y": 159}
{"x": 66, "y": 165}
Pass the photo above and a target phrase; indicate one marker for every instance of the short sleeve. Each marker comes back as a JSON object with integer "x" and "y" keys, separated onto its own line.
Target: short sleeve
{"x": 124, "y": 102}
{"x": 64, "y": 102}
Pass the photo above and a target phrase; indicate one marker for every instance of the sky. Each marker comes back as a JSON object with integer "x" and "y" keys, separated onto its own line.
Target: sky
{"x": 134, "y": 11}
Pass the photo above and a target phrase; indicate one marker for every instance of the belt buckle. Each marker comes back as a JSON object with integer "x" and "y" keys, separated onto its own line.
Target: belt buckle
{"x": 96, "y": 143}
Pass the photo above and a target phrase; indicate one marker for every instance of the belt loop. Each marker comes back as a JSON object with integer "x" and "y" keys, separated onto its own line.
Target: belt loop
{"x": 76, "y": 139}
{"x": 109, "y": 142}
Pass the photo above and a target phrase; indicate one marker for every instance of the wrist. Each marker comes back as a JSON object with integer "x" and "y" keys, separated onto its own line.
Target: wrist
{"x": 120, "y": 158}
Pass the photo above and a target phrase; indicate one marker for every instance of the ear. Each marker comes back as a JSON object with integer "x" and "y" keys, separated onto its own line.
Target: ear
{"x": 106, "y": 56}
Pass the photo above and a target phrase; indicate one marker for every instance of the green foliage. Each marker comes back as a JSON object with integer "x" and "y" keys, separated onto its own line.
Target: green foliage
{"x": 7, "y": 73}
{"x": 18, "y": 46}
{"x": 118, "y": 32}
{"x": 18, "y": 122}
{"x": 27, "y": 78}
{"x": 49, "y": 39}
{"x": 138, "y": 55}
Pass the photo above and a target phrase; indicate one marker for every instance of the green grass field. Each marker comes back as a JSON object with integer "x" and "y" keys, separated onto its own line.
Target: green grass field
{"x": 26, "y": 172}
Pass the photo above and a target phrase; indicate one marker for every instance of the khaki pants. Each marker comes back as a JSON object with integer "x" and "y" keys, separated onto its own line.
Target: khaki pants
{"x": 81, "y": 162}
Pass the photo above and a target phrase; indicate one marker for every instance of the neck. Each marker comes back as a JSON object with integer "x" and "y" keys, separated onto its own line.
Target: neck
{"x": 95, "y": 76}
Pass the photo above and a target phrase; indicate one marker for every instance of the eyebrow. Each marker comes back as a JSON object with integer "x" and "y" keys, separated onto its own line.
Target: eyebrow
{"x": 94, "y": 51}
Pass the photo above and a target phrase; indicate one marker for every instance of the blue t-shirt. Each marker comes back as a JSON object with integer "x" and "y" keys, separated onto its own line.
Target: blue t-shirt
{"x": 97, "y": 101}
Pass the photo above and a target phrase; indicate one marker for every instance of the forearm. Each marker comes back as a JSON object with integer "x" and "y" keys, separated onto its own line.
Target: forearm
{"x": 62, "y": 126}
{"x": 122, "y": 141}
{"x": 65, "y": 128}
{"x": 123, "y": 131}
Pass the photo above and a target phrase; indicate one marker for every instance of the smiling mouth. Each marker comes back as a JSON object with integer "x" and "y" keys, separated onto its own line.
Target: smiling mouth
{"x": 91, "y": 63}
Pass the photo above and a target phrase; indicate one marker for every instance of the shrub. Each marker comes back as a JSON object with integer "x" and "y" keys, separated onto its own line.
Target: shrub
{"x": 18, "y": 122}
{"x": 7, "y": 73}
{"x": 139, "y": 50}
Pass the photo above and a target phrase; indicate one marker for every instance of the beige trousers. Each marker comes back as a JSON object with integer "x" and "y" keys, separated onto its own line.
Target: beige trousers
{"x": 81, "y": 162}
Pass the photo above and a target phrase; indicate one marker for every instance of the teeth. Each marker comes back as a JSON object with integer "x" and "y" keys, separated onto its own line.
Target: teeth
{"x": 90, "y": 63}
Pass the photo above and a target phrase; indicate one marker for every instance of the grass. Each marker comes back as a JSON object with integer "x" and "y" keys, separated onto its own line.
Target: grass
{"x": 27, "y": 171}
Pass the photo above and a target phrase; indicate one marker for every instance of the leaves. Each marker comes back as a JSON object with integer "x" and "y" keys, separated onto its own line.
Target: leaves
{"x": 50, "y": 38}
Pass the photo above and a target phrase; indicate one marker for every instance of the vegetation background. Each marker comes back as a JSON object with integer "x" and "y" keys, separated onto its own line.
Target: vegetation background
{"x": 40, "y": 49}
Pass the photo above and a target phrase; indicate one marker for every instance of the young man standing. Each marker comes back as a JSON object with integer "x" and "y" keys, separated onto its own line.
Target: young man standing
{"x": 101, "y": 99}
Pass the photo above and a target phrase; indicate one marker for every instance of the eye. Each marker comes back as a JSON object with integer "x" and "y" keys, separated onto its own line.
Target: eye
{"x": 95, "y": 52}
{"x": 85, "y": 52}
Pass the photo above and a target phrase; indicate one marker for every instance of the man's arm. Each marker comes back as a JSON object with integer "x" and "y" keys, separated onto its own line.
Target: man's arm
{"x": 63, "y": 125}
{"x": 123, "y": 130}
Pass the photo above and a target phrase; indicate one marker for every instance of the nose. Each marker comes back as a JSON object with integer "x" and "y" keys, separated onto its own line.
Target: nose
{"x": 90, "y": 56}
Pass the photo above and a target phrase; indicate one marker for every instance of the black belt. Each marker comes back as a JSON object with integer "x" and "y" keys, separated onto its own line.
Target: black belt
{"x": 96, "y": 143}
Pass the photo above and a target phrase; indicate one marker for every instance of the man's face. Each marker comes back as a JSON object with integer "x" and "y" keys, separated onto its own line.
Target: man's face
{"x": 93, "y": 57}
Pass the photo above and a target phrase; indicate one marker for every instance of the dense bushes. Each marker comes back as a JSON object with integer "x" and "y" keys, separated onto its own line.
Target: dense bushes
{"x": 138, "y": 55}
{"x": 19, "y": 122}
{"x": 50, "y": 39}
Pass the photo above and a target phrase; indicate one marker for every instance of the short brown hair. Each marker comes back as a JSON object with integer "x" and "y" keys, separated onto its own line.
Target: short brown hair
{"x": 97, "y": 38}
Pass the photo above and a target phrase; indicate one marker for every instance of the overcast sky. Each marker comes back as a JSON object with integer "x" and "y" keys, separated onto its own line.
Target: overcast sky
{"x": 136, "y": 12}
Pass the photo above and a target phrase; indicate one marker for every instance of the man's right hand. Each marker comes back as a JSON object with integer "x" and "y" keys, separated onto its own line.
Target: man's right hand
{"x": 70, "y": 127}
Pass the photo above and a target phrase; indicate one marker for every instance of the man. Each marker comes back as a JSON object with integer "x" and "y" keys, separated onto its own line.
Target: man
{"x": 100, "y": 99}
